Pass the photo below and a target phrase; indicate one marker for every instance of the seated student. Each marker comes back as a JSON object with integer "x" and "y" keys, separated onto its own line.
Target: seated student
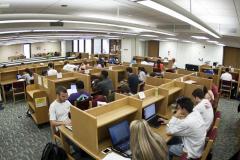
{"x": 27, "y": 75}
{"x": 133, "y": 61}
{"x": 174, "y": 65}
{"x": 189, "y": 126}
{"x": 226, "y": 76}
{"x": 145, "y": 144}
{"x": 124, "y": 89}
{"x": 105, "y": 85}
{"x": 69, "y": 67}
{"x": 80, "y": 95}
{"x": 208, "y": 94}
{"x": 60, "y": 108}
{"x": 204, "y": 107}
{"x": 100, "y": 64}
{"x": 145, "y": 61}
{"x": 51, "y": 71}
{"x": 142, "y": 74}
{"x": 133, "y": 80}
{"x": 159, "y": 65}
{"x": 83, "y": 66}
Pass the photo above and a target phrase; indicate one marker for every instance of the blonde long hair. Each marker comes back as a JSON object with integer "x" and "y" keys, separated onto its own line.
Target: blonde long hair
{"x": 145, "y": 144}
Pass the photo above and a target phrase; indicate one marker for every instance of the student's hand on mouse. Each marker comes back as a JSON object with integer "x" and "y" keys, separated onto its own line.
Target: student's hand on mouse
{"x": 163, "y": 121}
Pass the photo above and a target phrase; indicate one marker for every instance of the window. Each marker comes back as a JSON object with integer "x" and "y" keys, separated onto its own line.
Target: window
{"x": 81, "y": 45}
{"x": 88, "y": 46}
{"x": 75, "y": 45}
{"x": 97, "y": 46}
{"x": 27, "y": 50}
{"x": 105, "y": 46}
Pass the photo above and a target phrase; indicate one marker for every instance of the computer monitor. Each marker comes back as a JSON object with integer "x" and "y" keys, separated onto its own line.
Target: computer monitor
{"x": 119, "y": 132}
{"x": 149, "y": 111}
{"x": 191, "y": 67}
{"x": 73, "y": 86}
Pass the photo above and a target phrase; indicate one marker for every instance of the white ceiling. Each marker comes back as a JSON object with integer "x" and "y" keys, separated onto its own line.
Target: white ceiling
{"x": 221, "y": 15}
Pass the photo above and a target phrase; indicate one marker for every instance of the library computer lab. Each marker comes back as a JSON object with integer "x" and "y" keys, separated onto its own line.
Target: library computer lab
{"x": 120, "y": 80}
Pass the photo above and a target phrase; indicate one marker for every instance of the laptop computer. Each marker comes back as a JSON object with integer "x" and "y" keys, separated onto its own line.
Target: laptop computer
{"x": 120, "y": 137}
{"x": 149, "y": 114}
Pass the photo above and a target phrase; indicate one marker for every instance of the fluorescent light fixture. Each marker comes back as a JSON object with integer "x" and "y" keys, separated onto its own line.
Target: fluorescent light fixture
{"x": 66, "y": 30}
{"x": 170, "y": 12}
{"x": 221, "y": 44}
{"x": 215, "y": 42}
{"x": 148, "y": 35}
{"x": 199, "y": 37}
{"x": 174, "y": 39}
{"x": 121, "y": 26}
{"x": 26, "y": 21}
{"x": 21, "y": 31}
{"x": 187, "y": 41}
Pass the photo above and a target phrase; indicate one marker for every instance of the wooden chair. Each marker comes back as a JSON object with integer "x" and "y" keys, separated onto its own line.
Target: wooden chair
{"x": 18, "y": 88}
{"x": 84, "y": 105}
{"x": 226, "y": 87}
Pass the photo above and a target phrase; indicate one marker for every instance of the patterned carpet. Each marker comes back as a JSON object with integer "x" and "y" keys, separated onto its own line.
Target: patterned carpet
{"x": 21, "y": 139}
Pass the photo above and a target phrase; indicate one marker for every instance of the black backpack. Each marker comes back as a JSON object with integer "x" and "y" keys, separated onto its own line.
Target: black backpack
{"x": 53, "y": 152}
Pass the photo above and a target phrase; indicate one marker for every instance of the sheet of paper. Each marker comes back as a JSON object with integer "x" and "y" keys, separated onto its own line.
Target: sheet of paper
{"x": 114, "y": 156}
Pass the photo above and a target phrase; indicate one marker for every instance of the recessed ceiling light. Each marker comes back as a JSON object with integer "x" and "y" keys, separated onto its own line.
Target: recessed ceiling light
{"x": 199, "y": 37}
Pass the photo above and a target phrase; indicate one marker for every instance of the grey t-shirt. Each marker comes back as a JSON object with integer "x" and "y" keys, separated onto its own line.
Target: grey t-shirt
{"x": 104, "y": 86}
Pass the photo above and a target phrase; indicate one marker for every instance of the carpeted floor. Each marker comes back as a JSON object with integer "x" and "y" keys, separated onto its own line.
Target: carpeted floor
{"x": 21, "y": 139}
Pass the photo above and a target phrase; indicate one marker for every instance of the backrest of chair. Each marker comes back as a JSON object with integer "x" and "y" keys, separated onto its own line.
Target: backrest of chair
{"x": 226, "y": 85}
{"x": 83, "y": 105}
{"x": 207, "y": 149}
{"x": 217, "y": 114}
{"x": 18, "y": 84}
{"x": 217, "y": 122}
{"x": 212, "y": 134}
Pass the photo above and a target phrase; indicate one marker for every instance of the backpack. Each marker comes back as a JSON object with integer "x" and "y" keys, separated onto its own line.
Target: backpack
{"x": 53, "y": 152}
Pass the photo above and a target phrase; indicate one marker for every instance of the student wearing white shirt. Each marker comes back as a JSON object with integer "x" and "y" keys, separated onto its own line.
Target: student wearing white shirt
{"x": 51, "y": 71}
{"x": 189, "y": 126}
{"x": 142, "y": 75}
{"x": 226, "y": 76}
{"x": 145, "y": 61}
{"x": 60, "y": 108}
{"x": 204, "y": 107}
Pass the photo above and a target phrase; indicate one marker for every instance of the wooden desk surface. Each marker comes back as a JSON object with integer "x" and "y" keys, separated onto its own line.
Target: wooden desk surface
{"x": 10, "y": 81}
{"x": 33, "y": 91}
{"x": 152, "y": 99}
{"x": 64, "y": 79}
{"x": 66, "y": 132}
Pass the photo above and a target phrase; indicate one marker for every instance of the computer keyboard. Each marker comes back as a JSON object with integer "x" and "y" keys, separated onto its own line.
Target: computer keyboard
{"x": 124, "y": 146}
{"x": 154, "y": 122}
